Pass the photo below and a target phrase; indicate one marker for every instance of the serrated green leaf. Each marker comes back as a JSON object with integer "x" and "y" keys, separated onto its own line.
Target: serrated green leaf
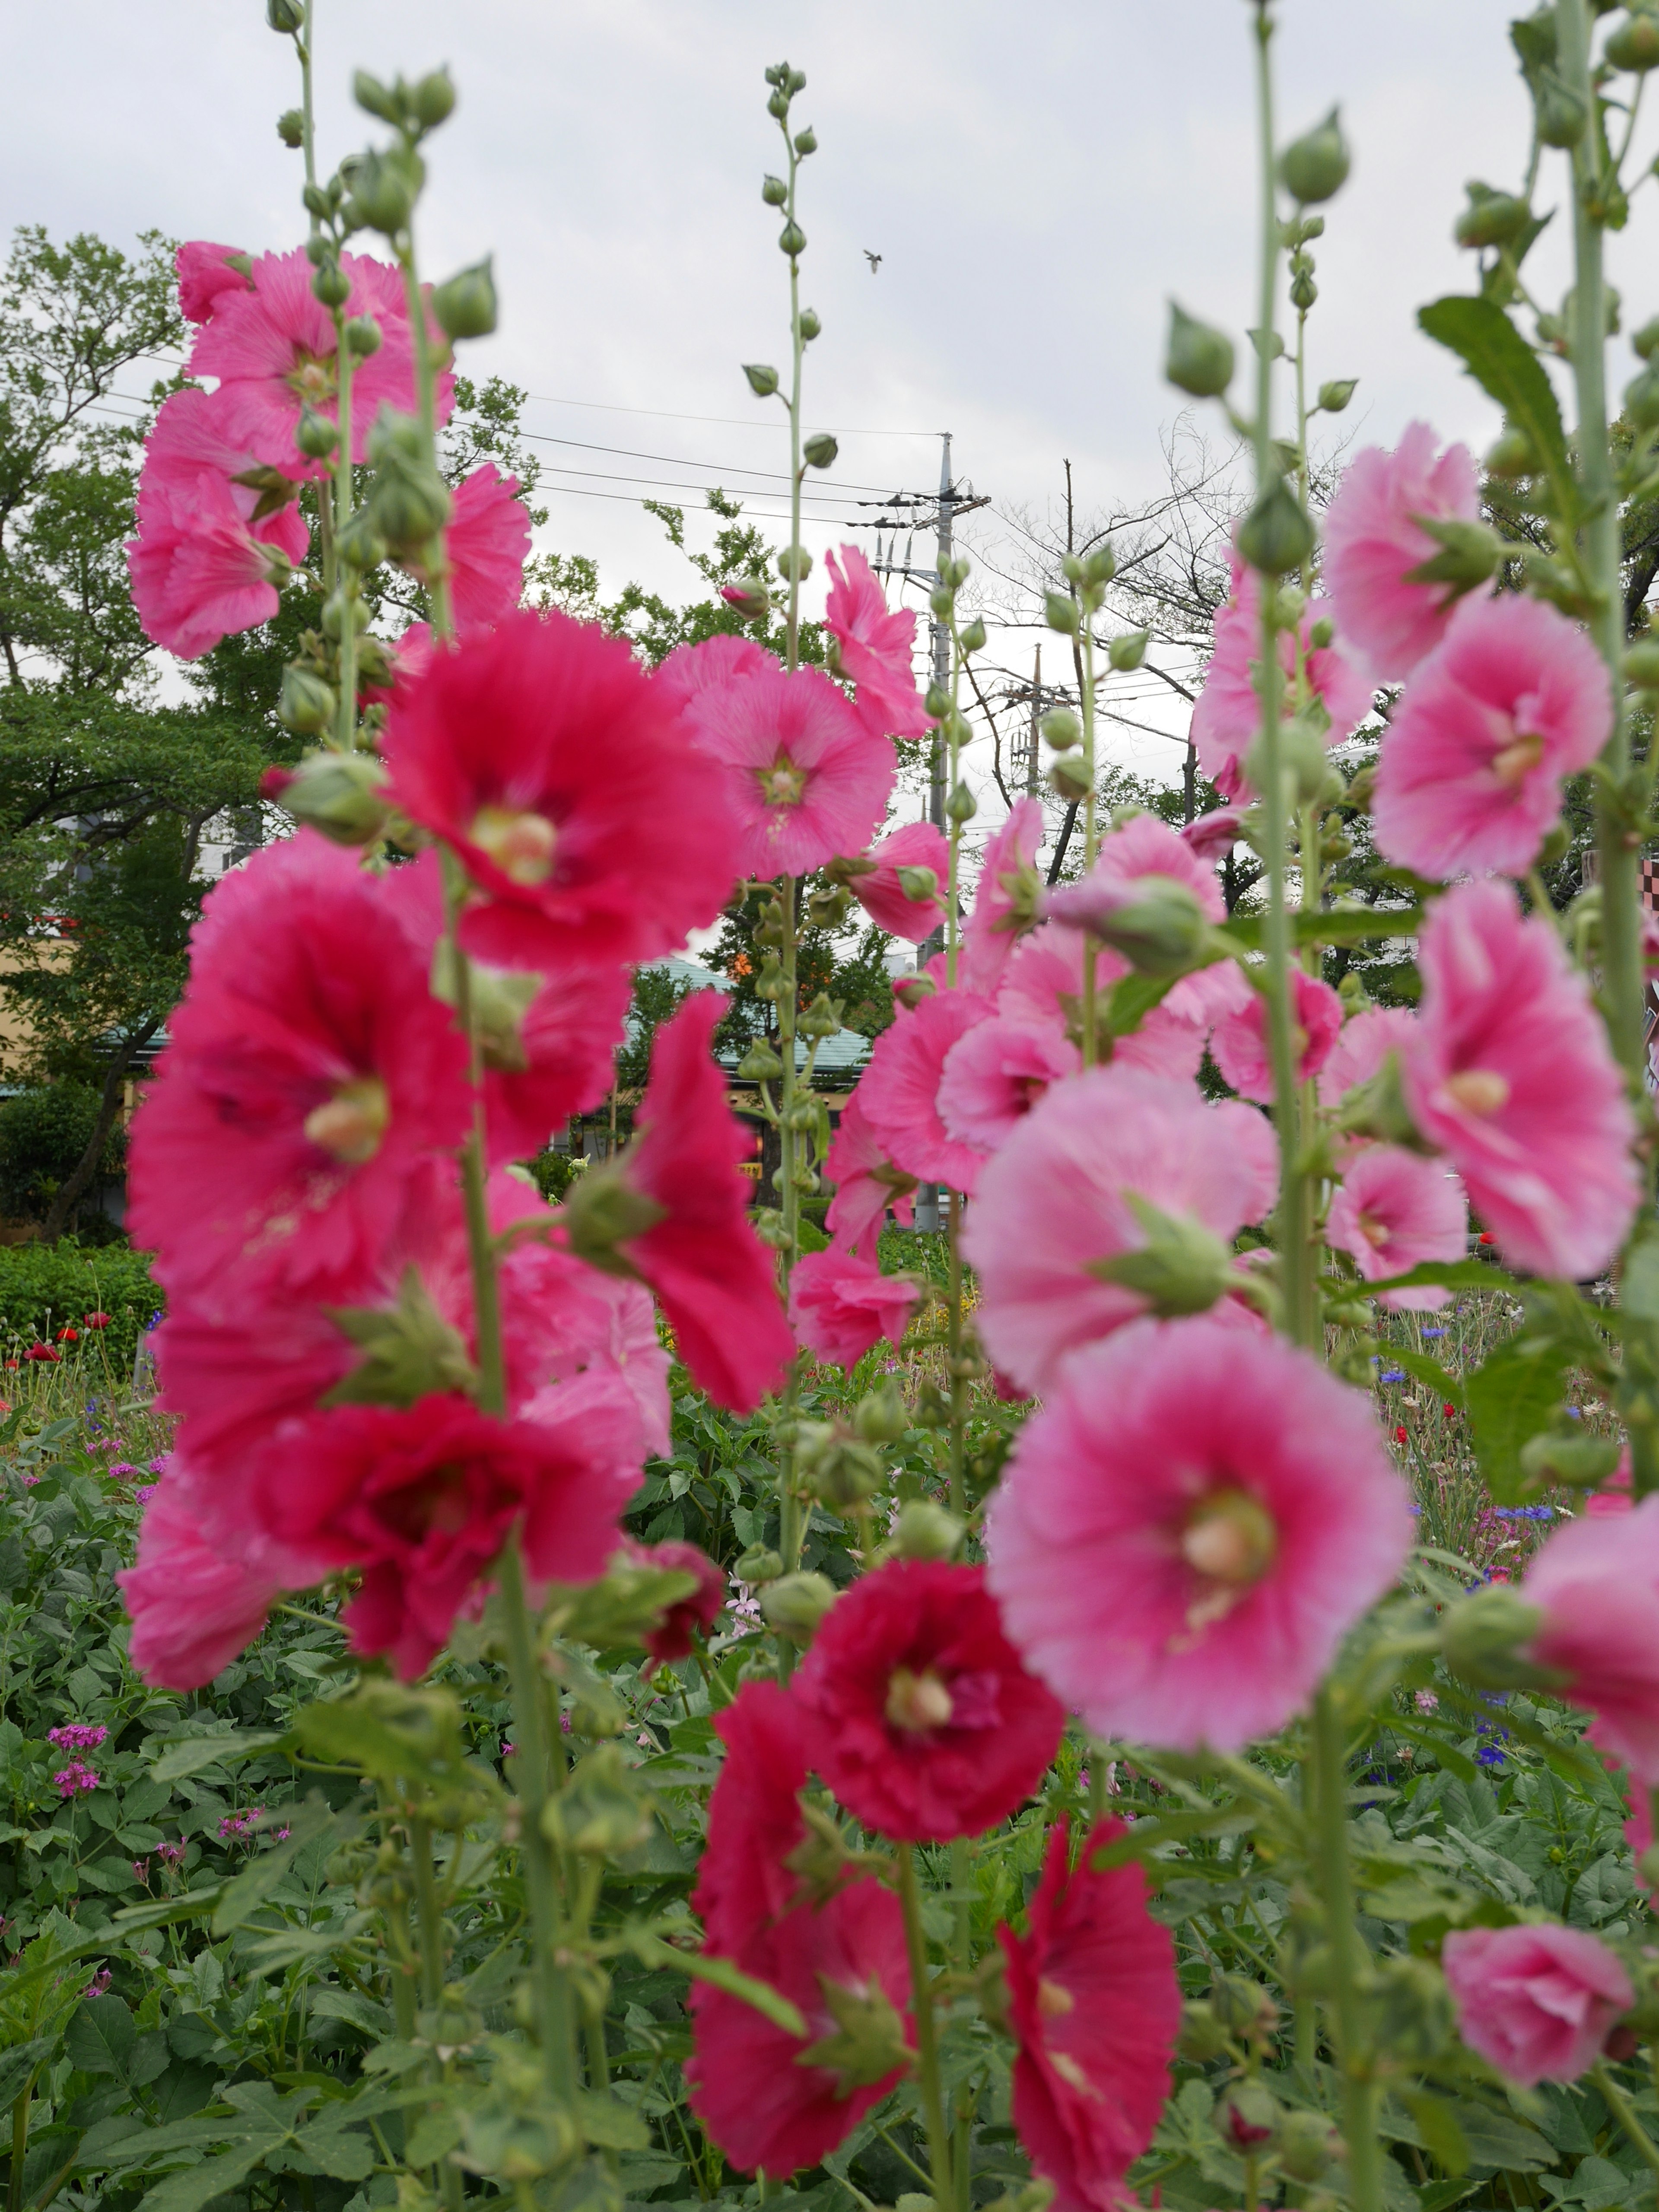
{"x": 194, "y": 2187}
{"x": 1511, "y": 1397}
{"x": 100, "y": 2036}
{"x": 1505, "y": 367}
{"x": 17, "y": 2063}
{"x": 187, "y": 1755}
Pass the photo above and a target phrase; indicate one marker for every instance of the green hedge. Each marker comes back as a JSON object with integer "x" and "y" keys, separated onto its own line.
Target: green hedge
{"x": 42, "y": 1286}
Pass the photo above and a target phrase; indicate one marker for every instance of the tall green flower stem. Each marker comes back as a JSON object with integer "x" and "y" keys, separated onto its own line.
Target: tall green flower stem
{"x": 426, "y": 387}
{"x": 1625, "y": 2112}
{"x": 429, "y": 1912}
{"x": 308, "y": 131}
{"x": 1294, "y": 1208}
{"x": 345, "y": 581}
{"x": 1090, "y": 834}
{"x": 927, "y": 2071}
{"x": 1328, "y": 1775}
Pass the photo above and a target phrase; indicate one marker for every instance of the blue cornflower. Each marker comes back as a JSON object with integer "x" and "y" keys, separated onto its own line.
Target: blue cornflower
{"x": 1393, "y": 1375}
{"x": 1434, "y": 1332}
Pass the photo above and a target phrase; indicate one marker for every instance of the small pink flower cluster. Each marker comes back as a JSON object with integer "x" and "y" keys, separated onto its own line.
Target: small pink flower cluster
{"x": 76, "y": 1780}
{"x": 77, "y": 1735}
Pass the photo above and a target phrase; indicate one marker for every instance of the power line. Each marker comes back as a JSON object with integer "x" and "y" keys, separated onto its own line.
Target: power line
{"x": 732, "y": 422}
{"x": 681, "y": 461}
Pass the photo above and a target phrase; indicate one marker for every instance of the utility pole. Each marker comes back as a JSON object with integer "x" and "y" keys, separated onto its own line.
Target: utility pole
{"x": 1031, "y": 756}
{"x": 941, "y": 636}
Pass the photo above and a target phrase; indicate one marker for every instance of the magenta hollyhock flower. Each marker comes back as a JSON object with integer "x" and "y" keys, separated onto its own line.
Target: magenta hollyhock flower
{"x": 1055, "y": 1202}
{"x": 1535, "y": 2000}
{"x": 1392, "y": 1211}
{"x": 1596, "y": 1582}
{"x": 918, "y": 1711}
{"x": 1228, "y": 716}
{"x": 841, "y": 1305}
{"x": 1005, "y": 899}
{"x": 900, "y": 1090}
{"x": 1374, "y": 538}
{"x": 802, "y": 777}
{"x": 995, "y": 1073}
{"x": 192, "y": 1607}
{"x": 745, "y": 1882}
{"x": 1365, "y": 1042}
{"x": 272, "y": 350}
{"x": 1224, "y": 1509}
{"x": 1133, "y": 860}
{"x": 1513, "y": 700}
{"x": 675, "y": 1635}
{"x": 1095, "y": 2005}
{"x": 883, "y": 895}
{"x": 206, "y": 271}
{"x": 1213, "y": 836}
{"x": 542, "y": 755}
{"x": 873, "y": 648}
{"x": 1240, "y": 1043}
{"x": 311, "y": 1086}
{"x": 485, "y": 542}
{"x": 867, "y": 1183}
{"x": 1511, "y": 1076}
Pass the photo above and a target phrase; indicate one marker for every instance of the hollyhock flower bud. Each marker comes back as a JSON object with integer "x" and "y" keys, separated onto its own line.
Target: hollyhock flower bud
{"x": 339, "y": 793}
{"x": 924, "y": 1530}
{"x": 1227, "y": 1510}
{"x": 1335, "y": 397}
{"x": 465, "y": 307}
{"x": 1315, "y": 167}
{"x": 1276, "y": 536}
{"x": 364, "y": 336}
{"x": 384, "y": 186}
{"x": 1535, "y": 2002}
{"x": 752, "y": 598}
{"x": 315, "y": 435}
{"x": 306, "y": 704}
{"x": 1198, "y": 359}
{"x": 795, "y": 1604}
{"x": 1491, "y": 218}
{"x": 1147, "y": 895}
{"x": 1094, "y": 2004}
{"x": 1485, "y": 1639}
{"x": 919, "y": 1713}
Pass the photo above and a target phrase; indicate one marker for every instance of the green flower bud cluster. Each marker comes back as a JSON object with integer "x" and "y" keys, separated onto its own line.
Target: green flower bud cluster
{"x": 465, "y": 306}
{"x": 410, "y": 501}
{"x": 414, "y": 109}
{"x": 384, "y": 186}
{"x": 1197, "y": 358}
{"x": 1315, "y": 167}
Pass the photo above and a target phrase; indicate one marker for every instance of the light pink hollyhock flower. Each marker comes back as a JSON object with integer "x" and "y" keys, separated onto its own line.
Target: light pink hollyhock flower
{"x": 1228, "y": 715}
{"x": 192, "y": 1608}
{"x": 1535, "y": 2002}
{"x": 1055, "y": 1202}
{"x": 883, "y": 895}
{"x": 873, "y": 648}
{"x": 204, "y": 271}
{"x": 900, "y": 1090}
{"x": 1514, "y": 699}
{"x": 1365, "y": 1042}
{"x": 865, "y": 1179}
{"x": 485, "y": 542}
{"x": 1373, "y": 540}
{"x": 718, "y": 661}
{"x": 272, "y": 350}
{"x": 1130, "y": 861}
{"x": 1240, "y": 1043}
{"x": 1614, "y": 1496}
{"x": 1510, "y": 1075}
{"x": 1005, "y": 900}
{"x": 841, "y": 1305}
{"x": 1596, "y": 1582}
{"x": 995, "y": 1074}
{"x": 1188, "y": 1528}
{"x": 1392, "y": 1210}
{"x": 1213, "y": 836}
{"x": 806, "y": 778}
{"x": 1043, "y": 989}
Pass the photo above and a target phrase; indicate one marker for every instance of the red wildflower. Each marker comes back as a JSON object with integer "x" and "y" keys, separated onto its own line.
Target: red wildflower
{"x": 68, "y": 1335}
{"x": 755, "y": 1820}
{"x": 1094, "y": 2002}
{"x": 699, "y": 1609}
{"x": 543, "y": 754}
{"x": 750, "y": 2087}
{"x": 95, "y": 1321}
{"x": 42, "y": 1352}
{"x": 919, "y": 1713}
{"x": 1400, "y": 1436}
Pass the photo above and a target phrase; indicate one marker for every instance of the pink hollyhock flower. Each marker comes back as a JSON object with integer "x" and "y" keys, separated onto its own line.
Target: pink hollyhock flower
{"x": 1213, "y": 836}
{"x": 1005, "y": 900}
{"x": 1043, "y": 989}
{"x": 995, "y": 1073}
{"x": 1094, "y": 2002}
{"x": 1053, "y": 1204}
{"x": 541, "y": 754}
{"x": 841, "y": 1305}
{"x": 714, "y": 1278}
{"x": 690, "y": 669}
{"x": 1132, "y": 862}
{"x": 802, "y": 777}
{"x": 1513, "y": 700}
{"x": 900, "y": 1090}
{"x": 1225, "y": 1510}
{"x": 1374, "y": 538}
{"x": 1613, "y": 1497}
{"x": 883, "y": 895}
{"x": 1240, "y": 1043}
{"x": 1535, "y": 2002}
{"x": 744, "y": 1883}
{"x": 1394, "y": 1210}
{"x": 755, "y": 2097}
{"x": 1511, "y": 1076}
{"x": 272, "y": 350}
{"x": 421, "y": 1502}
{"x": 1227, "y": 719}
{"x": 918, "y": 1711}
{"x": 866, "y": 1181}
{"x": 1596, "y": 1582}
{"x": 310, "y": 1086}
{"x": 1365, "y": 1042}
{"x": 675, "y": 1635}
{"x": 873, "y": 648}
{"x": 485, "y": 542}
{"x": 192, "y": 1609}
{"x": 206, "y": 270}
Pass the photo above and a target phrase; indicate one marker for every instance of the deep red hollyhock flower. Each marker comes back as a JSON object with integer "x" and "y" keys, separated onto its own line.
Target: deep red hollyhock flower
{"x": 754, "y": 1820}
{"x": 1093, "y": 2000}
{"x": 311, "y": 1084}
{"x": 674, "y": 1637}
{"x": 748, "y": 2086}
{"x": 713, "y": 1277}
{"x": 422, "y": 1501}
{"x": 542, "y": 755}
{"x": 919, "y": 1713}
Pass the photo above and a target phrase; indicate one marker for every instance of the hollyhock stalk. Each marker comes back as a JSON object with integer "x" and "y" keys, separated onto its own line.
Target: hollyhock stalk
{"x": 921, "y": 1995}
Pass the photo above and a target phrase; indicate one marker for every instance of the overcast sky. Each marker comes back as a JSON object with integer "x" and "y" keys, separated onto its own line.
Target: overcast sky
{"x": 1037, "y": 181}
